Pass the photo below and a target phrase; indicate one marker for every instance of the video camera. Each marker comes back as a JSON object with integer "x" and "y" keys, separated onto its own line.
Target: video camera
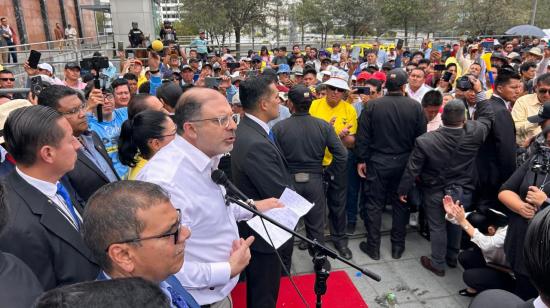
{"x": 94, "y": 63}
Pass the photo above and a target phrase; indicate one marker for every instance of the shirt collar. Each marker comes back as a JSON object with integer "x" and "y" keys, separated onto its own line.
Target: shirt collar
{"x": 498, "y": 96}
{"x": 260, "y": 122}
{"x": 47, "y": 188}
{"x": 197, "y": 157}
{"x": 538, "y": 303}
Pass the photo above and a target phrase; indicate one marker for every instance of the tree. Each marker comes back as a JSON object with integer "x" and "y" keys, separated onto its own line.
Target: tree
{"x": 198, "y": 14}
{"x": 354, "y": 15}
{"x": 300, "y": 16}
{"x": 240, "y": 13}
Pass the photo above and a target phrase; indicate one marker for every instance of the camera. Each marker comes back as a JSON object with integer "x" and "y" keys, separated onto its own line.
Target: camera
{"x": 36, "y": 85}
{"x": 94, "y": 63}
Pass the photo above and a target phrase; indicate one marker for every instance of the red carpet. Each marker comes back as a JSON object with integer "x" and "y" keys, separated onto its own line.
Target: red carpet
{"x": 341, "y": 293}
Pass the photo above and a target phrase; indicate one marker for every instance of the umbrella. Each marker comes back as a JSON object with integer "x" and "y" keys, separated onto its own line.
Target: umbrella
{"x": 526, "y": 30}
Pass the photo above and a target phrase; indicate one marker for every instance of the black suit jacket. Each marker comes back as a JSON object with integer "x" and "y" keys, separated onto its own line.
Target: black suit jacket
{"x": 39, "y": 235}
{"x": 86, "y": 178}
{"x": 259, "y": 170}
{"x": 496, "y": 160}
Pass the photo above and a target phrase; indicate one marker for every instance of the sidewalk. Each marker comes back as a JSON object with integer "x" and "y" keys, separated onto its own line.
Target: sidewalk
{"x": 413, "y": 285}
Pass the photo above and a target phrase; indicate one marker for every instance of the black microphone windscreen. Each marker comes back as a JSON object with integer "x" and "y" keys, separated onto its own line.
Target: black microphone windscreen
{"x": 219, "y": 177}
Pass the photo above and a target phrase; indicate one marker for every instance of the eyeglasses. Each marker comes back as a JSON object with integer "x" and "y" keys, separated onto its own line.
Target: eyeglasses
{"x": 175, "y": 233}
{"x": 223, "y": 121}
{"x": 76, "y": 110}
{"x": 543, "y": 91}
{"x": 168, "y": 135}
{"x": 336, "y": 89}
{"x": 108, "y": 96}
{"x": 6, "y": 79}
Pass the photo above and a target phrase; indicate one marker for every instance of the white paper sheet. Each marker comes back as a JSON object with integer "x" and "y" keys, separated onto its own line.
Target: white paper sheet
{"x": 296, "y": 206}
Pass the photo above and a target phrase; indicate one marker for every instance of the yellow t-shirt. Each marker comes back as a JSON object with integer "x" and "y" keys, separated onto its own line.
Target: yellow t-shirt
{"x": 135, "y": 170}
{"x": 345, "y": 114}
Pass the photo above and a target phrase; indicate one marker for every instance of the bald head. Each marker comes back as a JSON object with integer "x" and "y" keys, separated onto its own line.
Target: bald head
{"x": 454, "y": 113}
{"x": 190, "y": 104}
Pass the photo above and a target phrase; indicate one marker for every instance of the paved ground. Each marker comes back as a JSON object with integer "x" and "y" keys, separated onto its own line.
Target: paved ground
{"x": 406, "y": 278}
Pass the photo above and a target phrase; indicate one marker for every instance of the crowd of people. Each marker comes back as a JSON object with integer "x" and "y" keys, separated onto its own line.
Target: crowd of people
{"x": 109, "y": 179}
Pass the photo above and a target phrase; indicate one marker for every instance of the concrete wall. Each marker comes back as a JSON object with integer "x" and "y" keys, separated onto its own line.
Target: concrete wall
{"x": 124, "y": 12}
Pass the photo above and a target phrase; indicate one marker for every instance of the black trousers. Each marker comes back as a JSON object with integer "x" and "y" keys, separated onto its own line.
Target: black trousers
{"x": 336, "y": 203}
{"x": 314, "y": 220}
{"x": 13, "y": 52}
{"x": 263, "y": 276}
{"x": 383, "y": 175}
{"x": 479, "y": 276}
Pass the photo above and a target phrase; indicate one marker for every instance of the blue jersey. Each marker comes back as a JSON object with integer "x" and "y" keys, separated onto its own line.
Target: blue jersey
{"x": 109, "y": 133}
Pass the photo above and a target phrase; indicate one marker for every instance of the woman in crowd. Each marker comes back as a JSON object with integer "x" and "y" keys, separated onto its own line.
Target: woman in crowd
{"x": 525, "y": 194}
{"x": 142, "y": 137}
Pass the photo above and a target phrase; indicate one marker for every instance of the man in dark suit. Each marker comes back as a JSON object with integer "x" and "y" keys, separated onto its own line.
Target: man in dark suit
{"x": 93, "y": 167}
{"x": 124, "y": 213}
{"x": 496, "y": 160}
{"x": 260, "y": 171}
{"x": 44, "y": 223}
{"x": 444, "y": 160}
{"x": 18, "y": 283}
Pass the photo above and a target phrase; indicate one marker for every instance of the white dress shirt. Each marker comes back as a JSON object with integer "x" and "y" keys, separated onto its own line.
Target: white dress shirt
{"x": 260, "y": 122}
{"x": 184, "y": 171}
{"x": 419, "y": 94}
{"x": 492, "y": 246}
{"x": 50, "y": 191}
{"x": 538, "y": 303}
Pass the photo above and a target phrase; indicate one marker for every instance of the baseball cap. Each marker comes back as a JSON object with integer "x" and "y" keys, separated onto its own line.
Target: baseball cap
{"x": 387, "y": 66}
{"x": 396, "y": 78}
{"x": 7, "y": 108}
{"x": 71, "y": 65}
{"x": 463, "y": 83}
{"x": 283, "y": 68}
{"x": 364, "y": 76}
{"x": 245, "y": 59}
{"x": 46, "y": 67}
{"x": 379, "y": 76}
{"x": 186, "y": 67}
{"x": 256, "y": 58}
{"x": 543, "y": 115}
{"x": 300, "y": 95}
{"x": 298, "y": 71}
{"x": 338, "y": 79}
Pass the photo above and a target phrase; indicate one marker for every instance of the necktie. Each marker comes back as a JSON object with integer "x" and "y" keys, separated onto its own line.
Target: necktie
{"x": 62, "y": 191}
{"x": 271, "y": 136}
{"x": 177, "y": 299}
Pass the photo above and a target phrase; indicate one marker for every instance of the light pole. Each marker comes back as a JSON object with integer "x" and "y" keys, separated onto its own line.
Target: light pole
{"x": 534, "y": 12}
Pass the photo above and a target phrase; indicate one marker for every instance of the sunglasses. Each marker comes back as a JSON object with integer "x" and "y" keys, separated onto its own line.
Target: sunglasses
{"x": 543, "y": 91}
{"x": 336, "y": 89}
{"x": 6, "y": 79}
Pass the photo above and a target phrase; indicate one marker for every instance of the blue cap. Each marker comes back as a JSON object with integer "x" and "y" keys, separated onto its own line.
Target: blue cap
{"x": 256, "y": 58}
{"x": 283, "y": 68}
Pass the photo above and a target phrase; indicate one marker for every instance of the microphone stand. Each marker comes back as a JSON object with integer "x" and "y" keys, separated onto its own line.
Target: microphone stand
{"x": 321, "y": 254}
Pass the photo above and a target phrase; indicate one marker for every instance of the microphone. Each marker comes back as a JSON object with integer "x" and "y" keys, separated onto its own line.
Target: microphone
{"x": 219, "y": 177}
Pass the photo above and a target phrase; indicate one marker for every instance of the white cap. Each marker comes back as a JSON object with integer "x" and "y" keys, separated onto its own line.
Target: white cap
{"x": 46, "y": 67}
{"x": 338, "y": 79}
{"x": 536, "y": 51}
{"x": 325, "y": 73}
{"x": 7, "y": 108}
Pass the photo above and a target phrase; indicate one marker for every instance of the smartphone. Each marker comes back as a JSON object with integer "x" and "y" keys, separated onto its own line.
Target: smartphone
{"x": 212, "y": 82}
{"x": 438, "y": 47}
{"x": 355, "y": 51}
{"x": 131, "y": 55}
{"x": 447, "y": 76}
{"x": 36, "y": 85}
{"x": 362, "y": 90}
{"x": 440, "y": 67}
{"x": 399, "y": 44}
{"x": 488, "y": 45}
{"x": 120, "y": 46}
{"x": 233, "y": 65}
{"x": 34, "y": 58}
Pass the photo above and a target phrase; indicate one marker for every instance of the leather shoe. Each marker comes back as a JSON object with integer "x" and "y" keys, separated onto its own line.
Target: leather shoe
{"x": 427, "y": 264}
{"x": 344, "y": 252}
{"x": 375, "y": 255}
{"x": 397, "y": 252}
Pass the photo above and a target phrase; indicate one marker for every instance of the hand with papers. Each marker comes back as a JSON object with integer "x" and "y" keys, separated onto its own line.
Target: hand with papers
{"x": 268, "y": 204}
{"x": 295, "y": 206}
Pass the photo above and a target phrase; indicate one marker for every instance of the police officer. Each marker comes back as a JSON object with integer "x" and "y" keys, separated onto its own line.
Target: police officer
{"x": 387, "y": 131}
{"x": 444, "y": 160}
{"x": 303, "y": 140}
{"x": 135, "y": 35}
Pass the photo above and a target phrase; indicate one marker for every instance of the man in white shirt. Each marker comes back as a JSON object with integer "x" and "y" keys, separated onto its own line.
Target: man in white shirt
{"x": 416, "y": 88}
{"x": 215, "y": 255}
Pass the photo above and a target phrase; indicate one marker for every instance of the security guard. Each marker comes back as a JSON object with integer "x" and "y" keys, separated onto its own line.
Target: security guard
{"x": 385, "y": 138}
{"x": 135, "y": 35}
{"x": 303, "y": 140}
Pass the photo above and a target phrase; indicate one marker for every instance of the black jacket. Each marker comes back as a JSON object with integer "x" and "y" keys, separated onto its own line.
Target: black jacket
{"x": 496, "y": 159}
{"x": 389, "y": 125}
{"x": 39, "y": 235}
{"x": 259, "y": 170}
{"x": 86, "y": 177}
{"x": 303, "y": 140}
{"x": 447, "y": 155}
